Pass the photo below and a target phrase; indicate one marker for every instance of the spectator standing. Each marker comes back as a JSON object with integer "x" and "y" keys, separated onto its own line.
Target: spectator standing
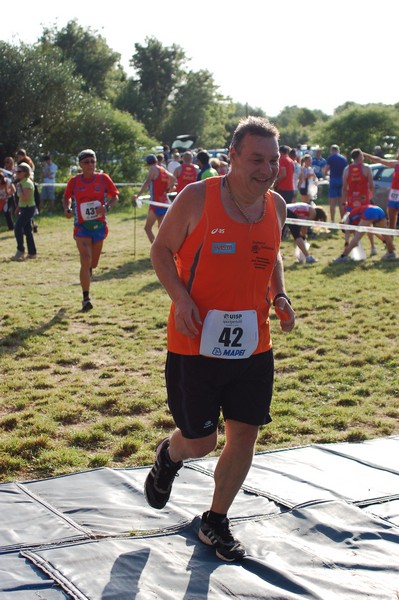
{"x": 166, "y": 153}
{"x": 159, "y": 181}
{"x": 335, "y": 167}
{"x": 174, "y": 162}
{"x": 23, "y": 157}
{"x": 297, "y": 170}
{"x": 285, "y": 181}
{"x": 307, "y": 180}
{"x": 25, "y": 211}
{"x": 318, "y": 163}
{"x": 223, "y": 168}
{"x": 7, "y": 190}
{"x": 205, "y": 168}
{"x": 378, "y": 152}
{"x": 48, "y": 190}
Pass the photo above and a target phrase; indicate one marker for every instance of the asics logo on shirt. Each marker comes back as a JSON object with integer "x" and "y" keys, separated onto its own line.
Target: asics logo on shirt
{"x": 217, "y": 230}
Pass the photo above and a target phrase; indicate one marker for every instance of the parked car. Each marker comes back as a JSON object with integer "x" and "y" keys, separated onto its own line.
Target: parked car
{"x": 183, "y": 142}
{"x": 382, "y": 177}
{"x": 217, "y": 152}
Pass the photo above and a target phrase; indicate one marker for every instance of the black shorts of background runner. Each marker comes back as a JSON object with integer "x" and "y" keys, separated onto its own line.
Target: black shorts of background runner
{"x": 295, "y": 229}
{"x": 288, "y": 195}
{"x": 199, "y": 387}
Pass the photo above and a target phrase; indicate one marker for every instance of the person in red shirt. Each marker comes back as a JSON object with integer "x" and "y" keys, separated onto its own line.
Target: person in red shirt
{"x": 285, "y": 181}
{"x": 367, "y": 215}
{"x": 159, "y": 181}
{"x": 186, "y": 173}
{"x": 89, "y": 191}
{"x": 357, "y": 188}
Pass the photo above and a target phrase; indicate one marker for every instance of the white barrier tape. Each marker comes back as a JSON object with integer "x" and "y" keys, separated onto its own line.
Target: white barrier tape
{"x": 141, "y": 200}
{"x": 364, "y": 228}
{"x": 305, "y": 222}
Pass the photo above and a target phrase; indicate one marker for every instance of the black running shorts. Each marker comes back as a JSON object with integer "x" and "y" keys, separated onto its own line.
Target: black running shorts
{"x": 199, "y": 387}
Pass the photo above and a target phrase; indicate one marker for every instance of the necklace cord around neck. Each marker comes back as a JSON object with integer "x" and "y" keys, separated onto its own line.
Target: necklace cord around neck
{"x": 241, "y": 209}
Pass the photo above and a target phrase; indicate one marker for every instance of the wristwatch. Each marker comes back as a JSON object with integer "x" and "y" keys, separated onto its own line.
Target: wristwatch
{"x": 281, "y": 295}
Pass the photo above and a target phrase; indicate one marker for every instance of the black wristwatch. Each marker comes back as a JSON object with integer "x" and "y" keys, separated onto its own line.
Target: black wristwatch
{"x": 281, "y": 295}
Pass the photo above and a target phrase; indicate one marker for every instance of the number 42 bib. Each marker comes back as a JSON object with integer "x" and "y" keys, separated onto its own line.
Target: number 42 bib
{"x": 229, "y": 334}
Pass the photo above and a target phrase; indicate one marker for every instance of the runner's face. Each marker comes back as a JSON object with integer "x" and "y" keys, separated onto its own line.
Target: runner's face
{"x": 256, "y": 165}
{"x": 88, "y": 166}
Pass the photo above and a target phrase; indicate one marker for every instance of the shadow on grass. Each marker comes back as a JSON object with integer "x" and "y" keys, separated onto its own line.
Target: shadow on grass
{"x": 340, "y": 269}
{"x": 132, "y": 267}
{"x": 14, "y": 340}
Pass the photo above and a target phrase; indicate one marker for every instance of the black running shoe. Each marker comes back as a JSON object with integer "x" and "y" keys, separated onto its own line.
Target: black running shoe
{"x": 86, "y": 305}
{"x": 220, "y": 537}
{"x": 158, "y": 484}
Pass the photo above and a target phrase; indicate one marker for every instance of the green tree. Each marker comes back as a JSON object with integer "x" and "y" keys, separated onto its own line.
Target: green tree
{"x": 94, "y": 60}
{"x": 198, "y": 109}
{"x": 159, "y": 71}
{"x": 237, "y": 111}
{"x": 114, "y": 135}
{"x": 360, "y": 127}
{"x": 38, "y": 91}
{"x": 299, "y": 125}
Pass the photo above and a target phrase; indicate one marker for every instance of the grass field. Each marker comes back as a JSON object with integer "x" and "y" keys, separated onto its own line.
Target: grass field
{"x": 83, "y": 390}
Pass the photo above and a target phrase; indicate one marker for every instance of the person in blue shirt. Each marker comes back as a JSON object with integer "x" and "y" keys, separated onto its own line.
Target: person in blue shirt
{"x": 335, "y": 166}
{"x": 318, "y": 163}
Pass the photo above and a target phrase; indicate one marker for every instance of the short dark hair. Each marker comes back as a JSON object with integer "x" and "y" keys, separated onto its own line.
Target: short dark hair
{"x": 203, "y": 156}
{"x": 320, "y": 214}
{"x": 253, "y": 126}
{"x": 151, "y": 159}
{"x": 285, "y": 149}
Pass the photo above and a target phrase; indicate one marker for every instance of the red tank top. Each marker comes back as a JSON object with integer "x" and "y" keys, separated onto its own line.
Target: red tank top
{"x": 395, "y": 178}
{"x": 226, "y": 265}
{"x": 188, "y": 175}
{"x": 358, "y": 187}
{"x": 159, "y": 186}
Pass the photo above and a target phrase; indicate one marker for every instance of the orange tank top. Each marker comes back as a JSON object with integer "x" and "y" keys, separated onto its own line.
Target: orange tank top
{"x": 226, "y": 265}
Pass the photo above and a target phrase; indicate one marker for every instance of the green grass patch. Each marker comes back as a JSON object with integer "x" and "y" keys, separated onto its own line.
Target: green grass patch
{"x": 86, "y": 390}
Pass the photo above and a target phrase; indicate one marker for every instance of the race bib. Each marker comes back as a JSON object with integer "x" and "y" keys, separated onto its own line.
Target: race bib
{"x": 88, "y": 210}
{"x": 229, "y": 334}
{"x": 394, "y": 195}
